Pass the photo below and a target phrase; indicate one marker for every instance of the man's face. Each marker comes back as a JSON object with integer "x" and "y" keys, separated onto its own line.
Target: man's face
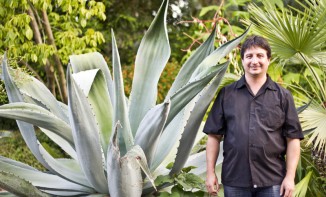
{"x": 255, "y": 61}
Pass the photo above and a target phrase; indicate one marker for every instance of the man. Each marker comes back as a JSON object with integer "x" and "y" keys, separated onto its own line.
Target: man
{"x": 259, "y": 123}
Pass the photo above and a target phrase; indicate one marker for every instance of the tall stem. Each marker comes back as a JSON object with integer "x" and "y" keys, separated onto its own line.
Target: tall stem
{"x": 315, "y": 76}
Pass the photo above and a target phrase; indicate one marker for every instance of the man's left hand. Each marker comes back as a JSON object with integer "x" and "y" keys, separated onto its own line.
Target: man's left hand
{"x": 287, "y": 187}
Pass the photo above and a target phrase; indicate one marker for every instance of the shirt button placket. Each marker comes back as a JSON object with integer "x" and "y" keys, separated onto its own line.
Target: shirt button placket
{"x": 251, "y": 136}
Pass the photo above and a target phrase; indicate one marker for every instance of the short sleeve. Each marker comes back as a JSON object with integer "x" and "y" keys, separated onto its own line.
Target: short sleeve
{"x": 215, "y": 122}
{"x": 291, "y": 127}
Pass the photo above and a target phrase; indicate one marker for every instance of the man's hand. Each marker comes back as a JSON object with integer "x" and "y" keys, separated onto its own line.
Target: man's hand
{"x": 287, "y": 187}
{"x": 212, "y": 184}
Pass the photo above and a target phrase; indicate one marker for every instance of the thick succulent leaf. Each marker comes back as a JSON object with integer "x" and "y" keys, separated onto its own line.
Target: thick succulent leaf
{"x": 91, "y": 61}
{"x": 152, "y": 56}
{"x": 151, "y": 128}
{"x": 65, "y": 193}
{"x": 93, "y": 83}
{"x": 68, "y": 172}
{"x": 191, "y": 64}
{"x": 16, "y": 163}
{"x": 37, "y": 116}
{"x": 27, "y": 130}
{"x": 179, "y": 114}
{"x": 198, "y": 160}
{"x": 18, "y": 186}
{"x": 64, "y": 144}
{"x": 113, "y": 166}
{"x": 181, "y": 98}
{"x": 125, "y": 172}
{"x": 190, "y": 131}
{"x": 86, "y": 136}
{"x": 43, "y": 180}
{"x": 218, "y": 54}
{"x": 126, "y": 139}
{"x": 29, "y": 86}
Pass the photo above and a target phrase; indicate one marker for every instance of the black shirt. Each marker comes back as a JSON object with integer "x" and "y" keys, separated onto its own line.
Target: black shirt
{"x": 255, "y": 128}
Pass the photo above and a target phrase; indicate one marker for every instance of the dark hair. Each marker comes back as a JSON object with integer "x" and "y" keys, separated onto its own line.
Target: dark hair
{"x": 255, "y": 41}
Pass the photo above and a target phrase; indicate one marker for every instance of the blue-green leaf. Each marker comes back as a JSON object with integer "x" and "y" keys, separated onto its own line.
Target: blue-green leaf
{"x": 126, "y": 139}
{"x": 91, "y": 61}
{"x": 151, "y": 128}
{"x": 86, "y": 136}
{"x": 152, "y": 56}
{"x": 191, "y": 64}
{"x": 93, "y": 83}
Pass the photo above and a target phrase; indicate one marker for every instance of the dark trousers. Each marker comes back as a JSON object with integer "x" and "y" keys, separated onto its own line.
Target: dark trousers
{"x": 273, "y": 191}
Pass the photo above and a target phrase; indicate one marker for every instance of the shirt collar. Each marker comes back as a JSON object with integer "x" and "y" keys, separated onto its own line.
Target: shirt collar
{"x": 268, "y": 84}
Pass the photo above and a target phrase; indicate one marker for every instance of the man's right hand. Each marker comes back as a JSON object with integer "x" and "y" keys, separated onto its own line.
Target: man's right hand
{"x": 212, "y": 184}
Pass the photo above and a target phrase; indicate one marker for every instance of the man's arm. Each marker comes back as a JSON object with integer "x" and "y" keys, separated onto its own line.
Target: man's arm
{"x": 292, "y": 159}
{"x": 212, "y": 151}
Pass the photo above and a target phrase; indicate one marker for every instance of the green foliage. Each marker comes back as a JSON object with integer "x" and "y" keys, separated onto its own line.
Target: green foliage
{"x": 110, "y": 139}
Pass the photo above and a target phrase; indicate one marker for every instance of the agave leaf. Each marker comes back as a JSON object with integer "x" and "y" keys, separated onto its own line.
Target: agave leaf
{"x": 151, "y": 128}
{"x": 198, "y": 160}
{"x": 126, "y": 139}
{"x": 18, "y": 186}
{"x": 64, "y": 144}
{"x": 218, "y": 54}
{"x": 37, "y": 116}
{"x": 65, "y": 193}
{"x": 124, "y": 172}
{"x": 113, "y": 166}
{"x": 68, "y": 172}
{"x": 181, "y": 98}
{"x": 27, "y": 130}
{"x": 152, "y": 56}
{"x": 16, "y": 163}
{"x": 193, "y": 124}
{"x": 191, "y": 64}
{"x": 38, "y": 92}
{"x": 43, "y": 180}
{"x": 91, "y": 61}
{"x": 93, "y": 83}
{"x": 177, "y": 119}
{"x": 86, "y": 136}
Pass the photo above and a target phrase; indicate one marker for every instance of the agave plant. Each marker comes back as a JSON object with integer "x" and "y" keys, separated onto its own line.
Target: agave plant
{"x": 117, "y": 145}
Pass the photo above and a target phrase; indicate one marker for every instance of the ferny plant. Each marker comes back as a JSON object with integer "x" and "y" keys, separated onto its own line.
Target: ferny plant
{"x": 117, "y": 145}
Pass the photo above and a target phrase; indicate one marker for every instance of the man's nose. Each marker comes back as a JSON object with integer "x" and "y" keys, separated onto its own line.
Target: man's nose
{"x": 254, "y": 60}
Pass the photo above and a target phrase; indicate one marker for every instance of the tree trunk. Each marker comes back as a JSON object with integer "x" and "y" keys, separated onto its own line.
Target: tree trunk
{"x": 49, "y": 70}
{"x": 59, "y": 67}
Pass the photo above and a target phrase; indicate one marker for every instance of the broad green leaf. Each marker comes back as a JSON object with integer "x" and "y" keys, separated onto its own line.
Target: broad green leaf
{"x": 126, "y": 138}
{"x": 43, "y": 180}
{"x": 93, "y": 83}
{"x": 215, "y": 57}
{"x": 86, "y": 136}
{"x": 193, "y": 123}
{"x": 191, "y": 64}
{"x": 90, "y": 61}
{"x": 37, "y": 116}
{"x": 151, "y": 128}
{"x": 152, "y": 56}
{"x": 18, "y": 186}
{"x": 302, "y": 186}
